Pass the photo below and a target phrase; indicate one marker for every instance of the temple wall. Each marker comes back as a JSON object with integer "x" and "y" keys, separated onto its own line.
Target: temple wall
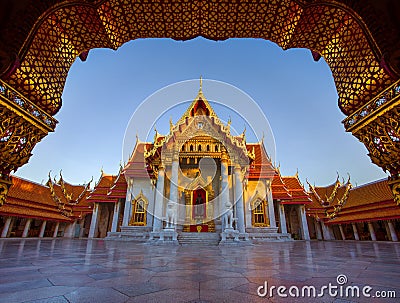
{"x": 253, "y": 190}
{"x": 148, "y": 191}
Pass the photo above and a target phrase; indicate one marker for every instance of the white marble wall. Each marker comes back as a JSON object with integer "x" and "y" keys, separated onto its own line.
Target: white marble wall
{"x": 135, "y": 187}
{"x": 254, "y": 190}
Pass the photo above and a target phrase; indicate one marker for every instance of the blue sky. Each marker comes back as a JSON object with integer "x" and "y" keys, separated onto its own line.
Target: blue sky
{"x": 296, "y": 94}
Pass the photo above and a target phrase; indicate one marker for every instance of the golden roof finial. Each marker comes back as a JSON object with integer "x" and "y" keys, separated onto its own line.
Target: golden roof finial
{"x": 348, "y": 180}
{"x": 201, "y": 83}
{"x": 262, "y": 138}
{"x": 49, "y": 177}
{"x": 101, "y": 170}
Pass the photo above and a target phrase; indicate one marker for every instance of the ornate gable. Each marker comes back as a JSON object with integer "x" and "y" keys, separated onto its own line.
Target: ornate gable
{"x": 200, "y": 120}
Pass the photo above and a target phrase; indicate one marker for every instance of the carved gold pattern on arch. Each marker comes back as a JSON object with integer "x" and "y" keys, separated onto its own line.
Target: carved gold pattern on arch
{"x": 382, "y": 139}
{"x": 71, "y": 28}
{"x": 17, "y": 139}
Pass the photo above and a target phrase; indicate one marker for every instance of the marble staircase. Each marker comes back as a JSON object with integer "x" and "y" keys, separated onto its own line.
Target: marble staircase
{"x": 267, "y": 234}
{"x": 207, "y": 238}
{"x": 130, "y": 233}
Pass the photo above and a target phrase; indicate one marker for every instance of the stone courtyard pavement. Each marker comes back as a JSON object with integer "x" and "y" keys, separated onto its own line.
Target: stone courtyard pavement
{"x": 66, "y": 270}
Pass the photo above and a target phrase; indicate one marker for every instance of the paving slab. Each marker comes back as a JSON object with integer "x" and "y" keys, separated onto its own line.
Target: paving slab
{"x": 82, "y": 270}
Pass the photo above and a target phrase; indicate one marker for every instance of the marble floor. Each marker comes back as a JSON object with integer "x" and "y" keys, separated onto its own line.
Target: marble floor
{"x": 73, "y": 270}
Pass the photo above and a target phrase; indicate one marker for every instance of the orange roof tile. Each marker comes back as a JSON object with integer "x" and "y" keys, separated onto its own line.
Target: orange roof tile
{"x": 12, "y": 210}
{"x": 368, "y": 202}
{"x": 136, "y": 166}
{"x": 29, "y": 191}
{"x": 296, "y": 190}
{"x": 377, "y": 191}
{"x": 101, "y": 189}
{"x": 30, "y": 199}
{"x": 261, "y": 167}
{"x": 119, "y": 188}
{"x": 279, "y": 190}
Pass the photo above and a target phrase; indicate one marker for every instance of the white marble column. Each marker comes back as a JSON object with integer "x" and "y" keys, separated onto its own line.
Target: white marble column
{"x": 93, "y": 223}
{"x": 150, "y": 208}
{"x": 42, "y": 229}
{"x": 6, "y": 228}
{"x": 371, "y": 231}
{"x": 355, "y": 231}
{"x": 325, "y": 231}
{"x": 393, "y": 234}
{"x": 248, "y": 212}
{"x": 159, "y": 200}
{"x": 26, "y": 228}
{"x": 55, "y": 233}
{"x": 114, "y": 224}
{"x": 70, "y": 230}
{"x": 318, "y": 230}
{"x": 173, "y": 189}
{"x": 342, "y": 232}
{"x": 173, "y": 186}
{"x": 224, "y": 195}
{"x": 128, "y": 203}
{"x": 270, "y": 204}
{"x": 82, "y": 227}
{"x": 239, "y": 199}
{"x": 305, "y": 234}
{"x": 282, "y": 218}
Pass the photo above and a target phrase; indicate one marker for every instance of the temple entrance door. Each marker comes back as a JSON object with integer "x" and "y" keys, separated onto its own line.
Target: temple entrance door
{"x": 199, "y": 211}
{"x": 199, "y": 204}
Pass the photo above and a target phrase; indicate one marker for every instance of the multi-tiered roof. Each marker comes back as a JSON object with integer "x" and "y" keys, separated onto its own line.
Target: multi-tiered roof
{"x": 341, "y": 203}
{"x": 56, "y": 200}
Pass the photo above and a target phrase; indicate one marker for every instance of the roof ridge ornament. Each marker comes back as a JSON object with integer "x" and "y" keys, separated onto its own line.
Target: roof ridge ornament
{"x": 49, "y": 181}
{"x": 171, "y": 125}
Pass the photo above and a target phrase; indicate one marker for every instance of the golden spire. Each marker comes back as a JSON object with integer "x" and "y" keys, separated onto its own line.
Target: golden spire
{"x": 201, "y": 84}
{"x": 61, "y": 177}
{"x": 171, "y": 125}
{"x": 49, "y": 181}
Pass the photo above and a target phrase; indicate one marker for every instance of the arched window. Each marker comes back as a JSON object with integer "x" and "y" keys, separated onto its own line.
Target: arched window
{"x": 191, "y": 147}
{"x": 199, "y": 148}
{"x": 259, "y": 214}
{"x": 208, "y": 147}
{"x": 216, "y": 147}
{"x": 183, "y": 148}
{"x": 139, "y": 206}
